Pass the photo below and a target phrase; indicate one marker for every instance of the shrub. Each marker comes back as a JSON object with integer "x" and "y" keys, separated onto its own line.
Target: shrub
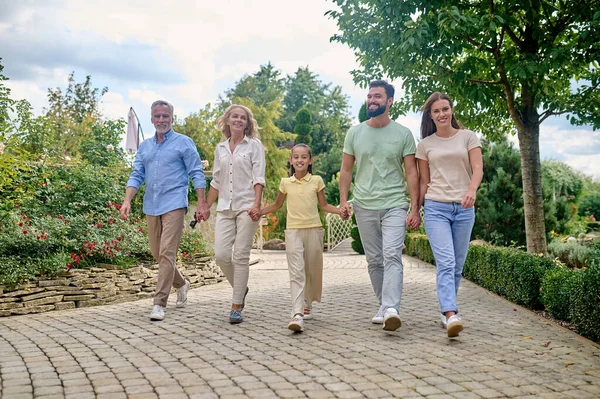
{"x": 574, "y": 255}
{"x": 585, "y": 303}
{"x": 512, "y": 273}
{"x": 193, "y": 244}
{"x": 557, "y": 291}
{"x": 590, "y": 206}
{"x": 418, "y": 245}
{"x": 356, "y": 241}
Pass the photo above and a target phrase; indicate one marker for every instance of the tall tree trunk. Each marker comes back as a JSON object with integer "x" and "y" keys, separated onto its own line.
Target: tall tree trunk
{"x": 529, "y": 143}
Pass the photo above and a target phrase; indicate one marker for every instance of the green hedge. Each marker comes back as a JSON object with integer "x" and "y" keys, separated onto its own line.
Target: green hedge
{"x": 512, "y": 273}
{"x": 557, "y": 290}
{"x": 418, "y": 245}
{"x": 530, "y": 280}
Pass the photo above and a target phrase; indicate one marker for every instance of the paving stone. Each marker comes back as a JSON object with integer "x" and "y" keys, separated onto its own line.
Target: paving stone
{"x": 114, "y": 351}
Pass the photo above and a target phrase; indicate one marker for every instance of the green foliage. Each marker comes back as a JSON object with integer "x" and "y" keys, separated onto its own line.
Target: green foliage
{"x": 303, "y": 127}
{"x": 585, "y": 303}
{"x": 362, "y": 113}
{"x": 41, "y": 243}
{"x": 557, "y": 290}
{"x": 202, "y": 127}
{"x": 356, "y": 241}
{"x": 102, "y": 146}
{"x": 332, "y": 190}
{"x": 6, "y": 105}
{"x": 574, "y": 255}
{"x": 512, "y": 273}
{"x": 500, "y": 212}
{"x": 15, "y": 269}
{"x": 329, "y": 164}
{"x": 418, "y": 245}
{"x": 590, "y": 206}
{"x": 355, "y": 234}
{"x": 508, "y": 66}
{"x": 192, "y": 244}
{"x": 499, "y": 204}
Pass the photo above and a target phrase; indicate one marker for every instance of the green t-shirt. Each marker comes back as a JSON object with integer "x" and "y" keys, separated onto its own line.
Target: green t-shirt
{"x": 378, "y": 153}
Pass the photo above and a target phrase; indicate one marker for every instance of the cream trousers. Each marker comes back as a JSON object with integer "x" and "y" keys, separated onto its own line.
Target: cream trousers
{"x": 304, "y": 251}
{"x": 234, "y": 232}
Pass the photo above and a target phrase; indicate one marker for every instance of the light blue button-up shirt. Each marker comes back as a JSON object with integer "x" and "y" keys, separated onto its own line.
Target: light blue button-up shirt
{"x": 166, "y": 167}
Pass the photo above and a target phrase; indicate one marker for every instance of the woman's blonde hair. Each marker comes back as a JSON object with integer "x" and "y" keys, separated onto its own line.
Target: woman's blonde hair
{"x": 251, "y": 129}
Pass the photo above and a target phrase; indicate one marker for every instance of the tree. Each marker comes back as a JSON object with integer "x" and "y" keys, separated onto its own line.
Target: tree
{"x": 202, "y": 127}
{"x": 500, "y": 197}
{"x": 362, "y": 113}
{"x": 6, "y": 104}
{"x": 509, "y": 65}
{"x": 303, "y": 127}
{"x": 262, "y": 88}
{"x": 73, "y": 114}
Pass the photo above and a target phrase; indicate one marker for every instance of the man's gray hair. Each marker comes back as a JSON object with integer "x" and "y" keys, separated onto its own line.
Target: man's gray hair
{"x": 162, "y": 102}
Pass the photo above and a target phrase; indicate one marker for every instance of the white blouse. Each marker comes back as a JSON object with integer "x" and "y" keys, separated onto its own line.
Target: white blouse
{"x": 235, "y": 175}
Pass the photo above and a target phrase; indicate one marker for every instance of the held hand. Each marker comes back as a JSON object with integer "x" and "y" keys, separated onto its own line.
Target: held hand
{"x": 124, "y": 211}
{"x": 254, "y": 213}
{"x": 202, "y": 212}
{"x": 469, "y": 199}
{"x": 345, "y": 210}
{"x": 413, "y": 220}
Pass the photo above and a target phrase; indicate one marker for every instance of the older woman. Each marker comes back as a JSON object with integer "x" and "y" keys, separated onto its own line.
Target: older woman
{"x": 238, "y": 182}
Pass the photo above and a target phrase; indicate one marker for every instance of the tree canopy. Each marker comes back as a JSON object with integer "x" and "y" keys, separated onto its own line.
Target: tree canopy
{"x": 508, "y": 64}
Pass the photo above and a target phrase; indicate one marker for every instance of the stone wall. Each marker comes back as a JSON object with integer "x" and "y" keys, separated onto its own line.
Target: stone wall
{"x": 101, "y": 285}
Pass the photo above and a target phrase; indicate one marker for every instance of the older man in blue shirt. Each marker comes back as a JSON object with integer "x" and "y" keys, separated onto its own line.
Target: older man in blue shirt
{"x": 166, "y": 162}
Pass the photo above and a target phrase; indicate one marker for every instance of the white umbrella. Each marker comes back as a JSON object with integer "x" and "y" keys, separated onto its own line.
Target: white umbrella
{"x": 132, "y": 141}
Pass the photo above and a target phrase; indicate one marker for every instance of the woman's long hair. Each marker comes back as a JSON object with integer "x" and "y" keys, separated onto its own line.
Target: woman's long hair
{"x": 427, "y": 125}
{"x": 251, "y": 129}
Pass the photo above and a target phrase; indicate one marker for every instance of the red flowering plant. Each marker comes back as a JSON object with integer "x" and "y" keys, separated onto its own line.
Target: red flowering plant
{"x": 193, "y": 244}
{"x": 77, "y": 241}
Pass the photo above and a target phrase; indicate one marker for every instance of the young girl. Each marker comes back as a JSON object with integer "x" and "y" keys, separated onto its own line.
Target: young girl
{"x": 304, "y": 234}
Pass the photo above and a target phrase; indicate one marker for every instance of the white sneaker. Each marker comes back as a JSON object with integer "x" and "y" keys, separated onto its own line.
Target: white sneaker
{"x": 307, "y": 311}
{"x": 297, "y": 324}
{"x": 443, "y": 320}
{"x": 378, "y": 318}
{"x": 158, "y": 313}
{"x": 182, "y": 295}
{"x": 454, "y": 326}
{"x": 391, "y": 320}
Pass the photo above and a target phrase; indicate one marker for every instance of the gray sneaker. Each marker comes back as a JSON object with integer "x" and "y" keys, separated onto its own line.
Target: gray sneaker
{"x": 235, "y": 316}
{"x": 182, "y": 295}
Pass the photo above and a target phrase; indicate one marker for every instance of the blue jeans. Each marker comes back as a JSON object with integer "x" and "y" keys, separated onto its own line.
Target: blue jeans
{"x": 448, "y": 226}
{"x": 382, "y": 235}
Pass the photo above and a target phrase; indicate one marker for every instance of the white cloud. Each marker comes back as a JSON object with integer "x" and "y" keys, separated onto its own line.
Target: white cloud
{"x": 188, "y": 52}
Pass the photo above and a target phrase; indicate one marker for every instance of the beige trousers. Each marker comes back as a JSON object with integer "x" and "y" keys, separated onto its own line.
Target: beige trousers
{"x": 164, "y": 233}
{"x": 234, "y": 233}
{"x": 304, "y": 250}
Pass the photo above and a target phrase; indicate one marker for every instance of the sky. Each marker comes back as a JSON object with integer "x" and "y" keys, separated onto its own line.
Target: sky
{"x": 188, "y": 52}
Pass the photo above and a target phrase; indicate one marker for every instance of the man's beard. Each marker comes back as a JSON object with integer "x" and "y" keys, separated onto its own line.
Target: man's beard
{"x": 372, "y": 113}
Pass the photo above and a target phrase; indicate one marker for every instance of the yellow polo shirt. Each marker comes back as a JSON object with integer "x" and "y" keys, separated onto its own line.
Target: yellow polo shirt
{"x": 302, "y": 202}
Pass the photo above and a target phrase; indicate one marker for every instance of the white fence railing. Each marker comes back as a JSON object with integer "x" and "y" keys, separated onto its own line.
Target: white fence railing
{"x": 337, "y": 230}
